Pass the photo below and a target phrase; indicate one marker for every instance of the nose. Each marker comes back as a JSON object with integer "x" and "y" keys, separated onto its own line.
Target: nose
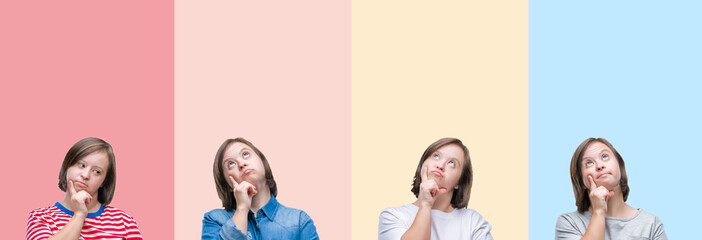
{"x": 600, "y": 165}
{"x": 242, "y": 164}
{"x": 85, "y": 174}
{"x": 440, "y": 166}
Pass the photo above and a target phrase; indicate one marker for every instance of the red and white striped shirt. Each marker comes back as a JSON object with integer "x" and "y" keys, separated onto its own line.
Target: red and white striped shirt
{"x": 106, "y": 223}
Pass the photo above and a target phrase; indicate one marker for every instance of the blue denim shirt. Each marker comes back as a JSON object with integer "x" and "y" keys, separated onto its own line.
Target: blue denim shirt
{"x": 273, "y": 221}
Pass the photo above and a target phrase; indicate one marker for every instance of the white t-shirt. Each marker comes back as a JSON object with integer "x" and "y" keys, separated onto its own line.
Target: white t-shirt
{"x": 460, "y": 224}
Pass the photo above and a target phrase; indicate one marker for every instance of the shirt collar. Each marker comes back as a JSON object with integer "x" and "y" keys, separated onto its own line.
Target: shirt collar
{"x": 70, "y": 213}
{"x": 271, "y": 208}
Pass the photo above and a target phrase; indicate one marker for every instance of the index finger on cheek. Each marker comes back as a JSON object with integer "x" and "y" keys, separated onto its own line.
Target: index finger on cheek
{"x": 232, "y": 182}
{"x": 593, "y": 185}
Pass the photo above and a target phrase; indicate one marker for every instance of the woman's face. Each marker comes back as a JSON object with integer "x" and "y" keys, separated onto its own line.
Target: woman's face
{"x": 445, "y": 166}
{"x": 89, "y": 172}
{"x": 600, "y": 163}
{"x": 242, "y": 163}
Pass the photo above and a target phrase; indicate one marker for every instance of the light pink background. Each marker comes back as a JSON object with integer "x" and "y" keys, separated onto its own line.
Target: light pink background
{"x": 73, "y": 69}
{"x": 279, "y": 75}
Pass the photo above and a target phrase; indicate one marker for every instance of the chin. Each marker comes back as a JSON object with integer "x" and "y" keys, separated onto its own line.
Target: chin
{"x": 611, "y": 186}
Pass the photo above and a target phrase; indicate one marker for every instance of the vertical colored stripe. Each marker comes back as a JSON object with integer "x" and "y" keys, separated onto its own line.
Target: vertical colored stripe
{"x": 70, "y": 70}
{"x": 427, "y": 70}
{"x": 628, "y": 72}
{"x": 278, "y": 75}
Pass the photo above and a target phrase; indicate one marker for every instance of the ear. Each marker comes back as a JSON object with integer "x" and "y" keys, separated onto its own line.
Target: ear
{"x": 455, "y": 187}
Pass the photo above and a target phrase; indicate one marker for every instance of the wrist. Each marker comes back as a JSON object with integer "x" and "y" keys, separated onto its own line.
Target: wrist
{"x": 242, "y": 208}
{"x": 80, "y": 214}
{"x": 425, "y": 204}
{"x": 599, "y": 212}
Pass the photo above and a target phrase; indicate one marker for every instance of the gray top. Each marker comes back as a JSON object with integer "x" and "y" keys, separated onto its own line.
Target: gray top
{"x": 643, "y": 225}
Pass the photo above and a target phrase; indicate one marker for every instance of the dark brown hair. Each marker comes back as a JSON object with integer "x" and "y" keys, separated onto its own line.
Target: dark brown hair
{"x": 582, "y": 195}
{"x": 465, "y": 182}
{"x": 224, "y": 190}
{"x": 83, "y": 148}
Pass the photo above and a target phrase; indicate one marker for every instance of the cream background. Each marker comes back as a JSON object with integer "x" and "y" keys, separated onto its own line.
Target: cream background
{"x": 427, "y": 70}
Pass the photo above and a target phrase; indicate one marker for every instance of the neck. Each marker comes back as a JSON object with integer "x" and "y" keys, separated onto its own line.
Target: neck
{"x": 616, "y": 207}
{"x": 260, "y": 199}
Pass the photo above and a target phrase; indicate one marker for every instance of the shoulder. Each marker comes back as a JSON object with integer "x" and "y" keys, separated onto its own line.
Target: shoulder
{"x": 647, "y": 217}
{"x": 469, "y": 213}
{"x": 219, "y": 215}
{"x": 288, "y": 212}
{"x": 404, "y": 208}
{"x": 407, "y": 211}
{"x": 116, "y": 212}
{"x": 41, "y": 211}
{"x": 45, "y": 211}
{"x": 572, "y": 225}
{"x": 646, "y": 214}
{"x": 572, "y": 220}
{"x": 471, "y": 216}
{"x": 112, "y": 214}
{"x": 571, "y": 216}
{"x": 39, "y": 215}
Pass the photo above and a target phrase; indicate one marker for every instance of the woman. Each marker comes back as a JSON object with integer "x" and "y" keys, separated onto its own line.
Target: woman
{"x": 88, "y": 177}
{"x": 601, "y": 188}
{"x": 247, "y": 189}
{"x": 442, "y": 184}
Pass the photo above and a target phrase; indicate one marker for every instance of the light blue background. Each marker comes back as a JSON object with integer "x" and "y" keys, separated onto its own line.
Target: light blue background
{"x": 628, "y": 71}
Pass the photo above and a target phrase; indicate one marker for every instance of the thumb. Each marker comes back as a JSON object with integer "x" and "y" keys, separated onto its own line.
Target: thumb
{"x": 88, "y": 199}
{"x": 252, "y": 191}
{"x": 441, "y": 191}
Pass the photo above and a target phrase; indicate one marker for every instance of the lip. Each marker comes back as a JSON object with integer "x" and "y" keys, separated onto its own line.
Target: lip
{"x": 246, "y": 171}
{"x": 602, "y": 175}
{"x": 81, "y": 184}
{"x": 437, "y": 172}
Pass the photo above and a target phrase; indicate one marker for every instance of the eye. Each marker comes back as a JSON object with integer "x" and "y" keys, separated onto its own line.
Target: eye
{"x": 588, "y": 163}
{"x": 81, "y": 165}
{"x": 436, "y": 156}
{"x": 231, "y": 164}
{"x": 246, "y": 154}
{"x": 97, "y": 172}
{"x": 452, "y": 163}
{"x": 605, "y": 157}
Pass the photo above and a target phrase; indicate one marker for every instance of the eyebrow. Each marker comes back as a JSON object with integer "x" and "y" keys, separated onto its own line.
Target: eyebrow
{"x": 605, "y": 149}
{"x": 244, "y": 148}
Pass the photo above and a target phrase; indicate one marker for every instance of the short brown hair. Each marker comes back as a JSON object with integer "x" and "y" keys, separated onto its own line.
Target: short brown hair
{"x": 582, "y": 196}
{"x": 83, "y": 148}
{"x": 224, "y": 190}
{"x": 465, "y": 182}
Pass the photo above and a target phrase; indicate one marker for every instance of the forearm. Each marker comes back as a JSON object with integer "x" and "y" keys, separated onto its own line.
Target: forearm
{"x": 596, "y": 227}
{"x": 72, "y": 229}
{"x": 240, "y": 220}
{"x": 421, "y": 226}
